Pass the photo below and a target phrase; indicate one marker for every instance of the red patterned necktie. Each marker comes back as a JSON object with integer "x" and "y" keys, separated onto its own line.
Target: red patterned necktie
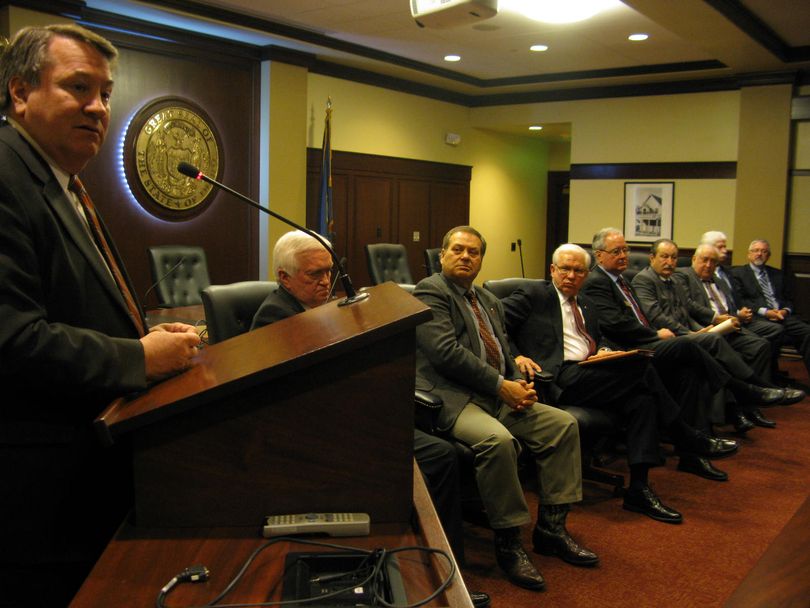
{"x": 77, "y": 188}
{"x": 580, "y": 323}
{"x": 714, "y": 296}
{"x": 490, "y": 346}
{"x": 636, "y": 308}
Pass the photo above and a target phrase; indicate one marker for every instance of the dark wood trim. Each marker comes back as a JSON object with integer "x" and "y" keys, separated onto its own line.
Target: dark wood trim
{"x": 800, "y": 173}
{"x": 695, "y": 170}
{"x": 375, "y": 164}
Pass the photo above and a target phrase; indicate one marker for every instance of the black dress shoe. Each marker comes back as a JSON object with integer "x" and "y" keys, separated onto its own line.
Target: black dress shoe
{"x": 701, "y": 444}
{"x": 766, "y": 396}
{"x": 512, "y": 559}
{"x": 756, "y": 417}
{"x": 645, "y": 501}
{"x": 792, "y": 395}
{"x": 563, "y": 546}
{"x": 479, "y": 599}
{"x": 741, "y": 423}
{"x": 702, "y": 467}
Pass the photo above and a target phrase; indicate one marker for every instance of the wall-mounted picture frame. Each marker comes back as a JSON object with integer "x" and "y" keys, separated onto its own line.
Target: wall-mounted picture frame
{"x": 648, "y": 208}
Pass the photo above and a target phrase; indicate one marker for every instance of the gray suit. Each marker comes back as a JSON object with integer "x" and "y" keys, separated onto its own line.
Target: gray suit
{"x": 670, "y": 307}
{"x": 450, "y": 364}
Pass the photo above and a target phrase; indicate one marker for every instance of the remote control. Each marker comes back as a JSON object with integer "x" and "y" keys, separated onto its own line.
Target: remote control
{"x": 333, "y": 524}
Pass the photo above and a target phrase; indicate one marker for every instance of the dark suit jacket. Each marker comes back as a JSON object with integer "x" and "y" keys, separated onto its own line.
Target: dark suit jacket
{"x": 749, "y": 293}
{"x": 688, "y": 279}
{"x": 448, "y": 354}
{"x": 617, "y": 320}
{"x": 67, "y": 347}
{"x": 534, "y": 323}
{"x": 671, "y": 309}
{"x": 279, "y": 305}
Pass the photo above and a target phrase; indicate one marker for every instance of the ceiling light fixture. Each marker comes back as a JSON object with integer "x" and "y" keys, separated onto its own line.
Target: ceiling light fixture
{"x": 452, "y": 57}
{"x": 536, "y": 128}
{"x": 638, "y": 37}
{"x": 554, "y": 11}
{"x": 538, "y": 48}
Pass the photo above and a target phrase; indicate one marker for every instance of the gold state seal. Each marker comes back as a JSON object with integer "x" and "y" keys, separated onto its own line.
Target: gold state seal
{"x": 170, "y": 135}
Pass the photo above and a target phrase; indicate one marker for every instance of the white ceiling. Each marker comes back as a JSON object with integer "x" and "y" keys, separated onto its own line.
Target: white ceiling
{"x": 690, "y": 40}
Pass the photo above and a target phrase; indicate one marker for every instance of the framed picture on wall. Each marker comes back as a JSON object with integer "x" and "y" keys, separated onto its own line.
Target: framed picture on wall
{"x": 648, "y": 211}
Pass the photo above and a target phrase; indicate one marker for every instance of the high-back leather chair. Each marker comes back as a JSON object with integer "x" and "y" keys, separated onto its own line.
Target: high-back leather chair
{"x": 432, "y": 263}
{"x": 636, "y": 262}
{"x": 388, "y": 262}
{"x": 229, "y": 309}
{"x": 179, "y": 274}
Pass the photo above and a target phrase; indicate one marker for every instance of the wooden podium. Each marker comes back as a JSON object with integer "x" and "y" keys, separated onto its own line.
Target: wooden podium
{"x": 310, "y": 414}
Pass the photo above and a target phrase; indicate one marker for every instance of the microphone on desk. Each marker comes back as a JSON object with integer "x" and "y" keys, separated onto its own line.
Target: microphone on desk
{"x": 352, "y": 296}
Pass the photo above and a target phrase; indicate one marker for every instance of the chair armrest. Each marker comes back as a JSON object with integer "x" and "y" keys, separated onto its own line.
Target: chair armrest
{"x": 426, "y": 412}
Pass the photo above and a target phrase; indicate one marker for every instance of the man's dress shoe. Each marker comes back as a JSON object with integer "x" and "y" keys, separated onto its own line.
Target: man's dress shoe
{"x": 701, "y": 467}
{"x": 766, "y": 396}
{"x": 741, "y": 423}
{"x": 479, "y": 599}
{"x": 512, "y": 559}
{"x": 701, "y": 444}
{"x": 756, "y": 417}
{"x": 792, "y": 395}
{"x": 647, "y": 502}
{"x": 563, "y": 546}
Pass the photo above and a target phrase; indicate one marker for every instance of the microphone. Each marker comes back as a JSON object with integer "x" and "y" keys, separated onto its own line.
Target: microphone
{"x": 160, "y": 280}
{"x": 334, "y": 283}
{"x": 520, "y": 252}
{"x": 352, "y": 296}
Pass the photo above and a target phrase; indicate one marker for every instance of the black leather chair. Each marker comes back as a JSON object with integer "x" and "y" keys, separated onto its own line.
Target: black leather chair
{"x": 388, "y": 262}
{"x": 432, "y": 263}
{"x": 229, "y": 309}
{"x": 596, "y": 427}
{"x": 179, "y": 274}
{"x": 636, "y": 262}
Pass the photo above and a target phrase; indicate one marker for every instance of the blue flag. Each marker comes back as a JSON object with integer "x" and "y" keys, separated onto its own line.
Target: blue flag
{"x": 326, "y": 223}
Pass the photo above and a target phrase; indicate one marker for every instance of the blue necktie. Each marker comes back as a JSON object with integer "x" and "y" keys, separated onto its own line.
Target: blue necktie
{"x": 767, "y": 290}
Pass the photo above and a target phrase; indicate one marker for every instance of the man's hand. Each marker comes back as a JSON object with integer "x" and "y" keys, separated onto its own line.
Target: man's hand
{"x": 745, "y": 314}
{"x": 169, "y": 348}
{"x": 527, "y": 367}
{"x": 517, "y": 394}
{"x": 775, "y": 315}
{"x": 720, "y": 318}
{"x": 665, "y": 334}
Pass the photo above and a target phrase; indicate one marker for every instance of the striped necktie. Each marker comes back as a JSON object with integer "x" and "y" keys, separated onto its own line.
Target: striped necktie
{"x": 767, "y": 289}
{"x": 93, "y": 222}
{"x": 580, "y": 323}
{"x": 629, "y": 295}
{"x": 490, "y": 346}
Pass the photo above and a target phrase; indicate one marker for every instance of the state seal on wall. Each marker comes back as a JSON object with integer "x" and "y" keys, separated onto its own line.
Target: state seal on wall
{"x": 162, "y": 134}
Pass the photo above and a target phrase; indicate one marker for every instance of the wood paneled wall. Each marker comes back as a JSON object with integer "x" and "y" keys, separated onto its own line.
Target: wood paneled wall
{"x": 380, "y": 199}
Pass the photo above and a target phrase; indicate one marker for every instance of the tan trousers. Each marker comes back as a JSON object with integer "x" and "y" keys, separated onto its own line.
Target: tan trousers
{"x": 551, "y": 434}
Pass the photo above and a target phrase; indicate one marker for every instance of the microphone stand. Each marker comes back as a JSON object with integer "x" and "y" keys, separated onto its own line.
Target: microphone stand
{"x": 520, "y": 253}
{"x": 352, "y": 296}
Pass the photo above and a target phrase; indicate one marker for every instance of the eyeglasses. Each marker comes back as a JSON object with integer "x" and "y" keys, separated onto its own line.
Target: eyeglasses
{"x": 617, "y": 251}
{"x": 577, "y": 272}
{"x": 759, "y": 250}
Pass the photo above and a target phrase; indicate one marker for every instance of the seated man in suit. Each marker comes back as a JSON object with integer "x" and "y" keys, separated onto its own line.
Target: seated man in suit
{"x": 706, "y": 293}
{"x": 724, "y": 282}
{"x": 764, "y": 289}
{"x": 463, "y": 356}
{"x": 304, "y": 270}
{"x": 553, "y": 330}
{"x": 690, "y": 374}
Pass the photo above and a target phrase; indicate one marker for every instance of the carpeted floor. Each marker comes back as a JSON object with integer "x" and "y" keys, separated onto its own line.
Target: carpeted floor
{"x": 727, "y": 526}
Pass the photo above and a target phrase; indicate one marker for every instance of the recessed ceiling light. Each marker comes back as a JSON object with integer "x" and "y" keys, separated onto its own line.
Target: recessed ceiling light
{"x": 452, "y": 57}
{"x": 536, "y": 128}
{"x": 539, "y": 48}
{"x": 638, "y": 37}
{"x": 554, "y": 11}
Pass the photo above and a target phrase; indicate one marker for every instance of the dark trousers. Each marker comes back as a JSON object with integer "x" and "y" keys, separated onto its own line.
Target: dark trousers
{"x": 632, "y": 389}
{"x": 438, "y": 462}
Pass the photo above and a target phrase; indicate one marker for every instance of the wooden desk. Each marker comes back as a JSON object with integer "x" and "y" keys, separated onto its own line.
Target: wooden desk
{"x": 138, "y": 562}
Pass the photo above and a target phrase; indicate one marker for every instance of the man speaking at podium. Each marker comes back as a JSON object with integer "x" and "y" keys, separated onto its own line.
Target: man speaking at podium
{"x": 304, "y": 270}
{"x": 73, "y": 336}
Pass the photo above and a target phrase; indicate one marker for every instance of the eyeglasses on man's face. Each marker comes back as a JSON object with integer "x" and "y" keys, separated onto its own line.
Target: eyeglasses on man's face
{"x": 566, "y": 270}
{"x": 616, "y": 251}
